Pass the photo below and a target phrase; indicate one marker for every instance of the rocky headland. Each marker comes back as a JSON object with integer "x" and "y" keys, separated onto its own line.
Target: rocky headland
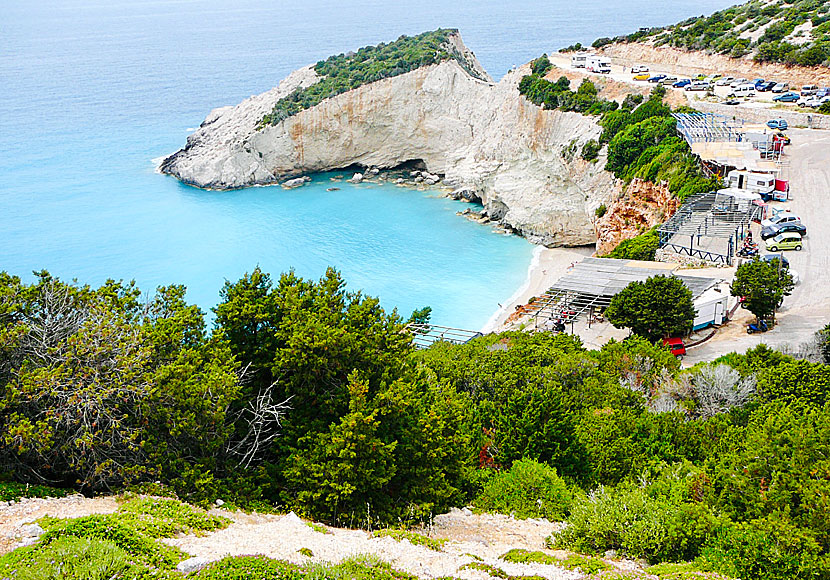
{"x": 449, "y": 118}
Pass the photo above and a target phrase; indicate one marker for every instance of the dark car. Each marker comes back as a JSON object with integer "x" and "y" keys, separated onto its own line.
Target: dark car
{"x": 772, "y": 231}
{"x": 764, "y": 87}
{"x": 656, "y": 78}
{"x": 682, "y": 83}
{"x": 785, "y": 263}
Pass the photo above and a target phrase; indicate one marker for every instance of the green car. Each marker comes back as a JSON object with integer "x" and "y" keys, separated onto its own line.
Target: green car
{"x": 784, "y": 241}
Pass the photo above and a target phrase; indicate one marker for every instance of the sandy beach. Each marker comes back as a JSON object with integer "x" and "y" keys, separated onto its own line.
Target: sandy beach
{"x": 547, "y": 266}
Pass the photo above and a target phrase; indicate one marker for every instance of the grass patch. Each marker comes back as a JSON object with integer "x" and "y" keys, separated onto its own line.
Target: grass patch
{"x": 682, "y": 571}
{"x": 585, "y": 564}
{"x": 165, "y": 518}
{"x": 319, "y": 528}
{"x": 520, "y": 556}
{"x": 113, "y": 529}
{"x": 70, "y": 558}
{"x": 244, "y": 567}
{"x": 412, "y": 537}
{"x": 306, "y": 552}
{"x": 496, "y": 572}
{"x": 16, "y": 491}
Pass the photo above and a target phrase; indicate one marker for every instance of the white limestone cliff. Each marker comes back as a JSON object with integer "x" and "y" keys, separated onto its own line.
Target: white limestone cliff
{"x": 477, "y": 134}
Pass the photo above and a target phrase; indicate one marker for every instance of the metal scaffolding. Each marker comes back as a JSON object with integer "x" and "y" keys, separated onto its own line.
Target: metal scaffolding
{"x": 425, "y": 335}
{"x": 710, "y": 226}
{"x": 708, "y": 128}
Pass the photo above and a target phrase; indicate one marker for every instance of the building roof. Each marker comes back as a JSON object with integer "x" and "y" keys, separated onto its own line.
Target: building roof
{"x": 606, "y": 276}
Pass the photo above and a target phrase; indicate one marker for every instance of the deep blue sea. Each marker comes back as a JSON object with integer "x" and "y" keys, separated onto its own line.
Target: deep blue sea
{"x": 92, "y": 91}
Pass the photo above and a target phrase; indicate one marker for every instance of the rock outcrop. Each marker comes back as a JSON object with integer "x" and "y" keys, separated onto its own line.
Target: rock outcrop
{"x": 642, "y": 206}
{"x": 522, "y": 162}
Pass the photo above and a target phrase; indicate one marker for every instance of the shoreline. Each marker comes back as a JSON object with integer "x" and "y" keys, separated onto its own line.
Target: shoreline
{"x": 546, "y": 267}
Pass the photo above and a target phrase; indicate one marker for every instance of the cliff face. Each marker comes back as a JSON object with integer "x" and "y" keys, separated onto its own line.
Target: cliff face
{"x": 643, "y": 206}
{"x": 475, "y": 133}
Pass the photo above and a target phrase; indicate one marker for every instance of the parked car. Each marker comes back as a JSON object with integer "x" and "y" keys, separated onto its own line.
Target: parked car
{"x": 656, "y": 78}
{"x": 787, "y": 98}
{"x": 639, "y": 69}
{"x": 682, "y": 83}
{"x": 757, "y": 82}
{"x": 781, "y": 88}
{"x": 785, "y": 241}
{"x": 774, "y": 258}
{"x": 809, "y": 89}
{"x": 811, "y": 102}
{"x": 778, "y": 124}
{"x": 697, "y": 86}
{"x": 676, "y": 346}
{"x": 732, "y": 102}
{"x": 767, "y": 86}
{"x": 772, "y": 231}
{"x": 668, "y": 81}
{"x": 781, "y": 218}
{"x": 823, "y": 92}
{"x": 642, "y": 76}
{"x": 724, "y": 81}
{"x": 737, "y": 82}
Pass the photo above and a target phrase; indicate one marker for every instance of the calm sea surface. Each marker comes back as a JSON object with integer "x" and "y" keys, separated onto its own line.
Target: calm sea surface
{"x": 92, "y": 91}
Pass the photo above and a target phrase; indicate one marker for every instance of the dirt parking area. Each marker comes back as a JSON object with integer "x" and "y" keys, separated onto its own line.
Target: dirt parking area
{"x": 808, "y": 308}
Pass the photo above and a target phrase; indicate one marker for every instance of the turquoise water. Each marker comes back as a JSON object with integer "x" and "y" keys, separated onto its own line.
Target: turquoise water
{"x": 91, "y": 92}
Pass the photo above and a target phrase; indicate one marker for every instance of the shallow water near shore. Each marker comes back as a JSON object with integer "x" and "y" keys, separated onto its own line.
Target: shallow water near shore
{"x": 93, "y": 92}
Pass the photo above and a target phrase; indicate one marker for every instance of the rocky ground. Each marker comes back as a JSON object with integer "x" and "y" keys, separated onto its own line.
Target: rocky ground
{"x": 468, "y": 538}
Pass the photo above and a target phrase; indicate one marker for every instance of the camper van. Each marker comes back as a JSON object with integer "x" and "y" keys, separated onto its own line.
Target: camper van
{"x": 579, "y": 59}
{"x": 598, "y": 64}
{"x": 757, "y": 181}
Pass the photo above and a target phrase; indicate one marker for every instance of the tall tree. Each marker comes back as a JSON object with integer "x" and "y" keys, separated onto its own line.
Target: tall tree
{"x": 661, "y": 306}
{"x": 763, "y": 285}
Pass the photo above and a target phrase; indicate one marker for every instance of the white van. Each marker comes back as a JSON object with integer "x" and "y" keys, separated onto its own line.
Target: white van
{"x": 744, "y": 90}
{"x": 757, "y": 181}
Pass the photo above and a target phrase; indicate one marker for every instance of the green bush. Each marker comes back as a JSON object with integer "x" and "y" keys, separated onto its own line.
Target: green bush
{"x": 529, "y": 490}
{"x": 345, "y": 72}
{"x": 766, "y": 549}
{"x": 70, "y": 558}
{"x": 642, "y": 247}
{"x": 590, "y": 151}
{"x": 627, "y": 519}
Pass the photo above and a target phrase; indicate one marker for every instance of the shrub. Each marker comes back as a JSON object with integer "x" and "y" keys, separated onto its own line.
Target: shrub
{"x": 590, "y": 151}
{"x": 766, "y": 549}
{"x": 642, "y": 247}
{"x": 629, "y": 520}
{"x": 529, "y": 490}
{"x": 521, "y": 556}
{"x": 584, "y": 564}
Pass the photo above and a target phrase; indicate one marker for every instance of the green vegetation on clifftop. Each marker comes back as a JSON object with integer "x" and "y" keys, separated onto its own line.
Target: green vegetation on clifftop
{"x": 345, "y": 72}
